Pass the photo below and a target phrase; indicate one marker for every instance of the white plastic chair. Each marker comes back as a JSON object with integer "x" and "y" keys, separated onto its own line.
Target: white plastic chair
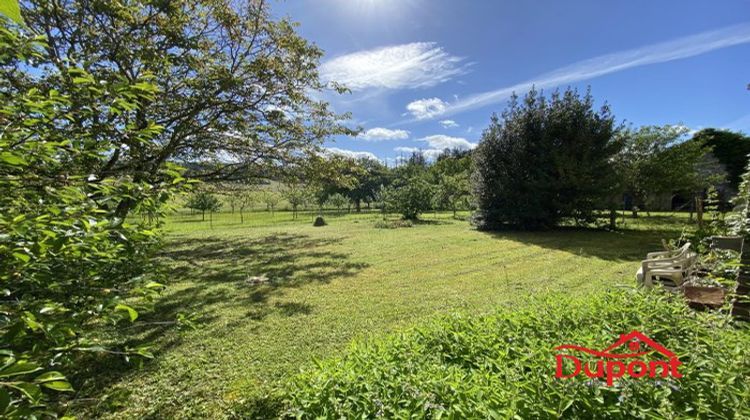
{"x": 670, "y": 268}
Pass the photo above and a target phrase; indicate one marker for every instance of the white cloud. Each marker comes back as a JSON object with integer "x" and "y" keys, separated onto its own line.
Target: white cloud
{"x": 662, "y": 52}
{"x": 442, "y": 142}
{"x": 380, "y": 133}
{"x": 426, "y": 108}
{"x": 429, "y": 154}
{"x": 449, "y": 124}
{"x": 415, "y": 65}
{"x": 406, "y": 149}
{"x": 350, "y": 153}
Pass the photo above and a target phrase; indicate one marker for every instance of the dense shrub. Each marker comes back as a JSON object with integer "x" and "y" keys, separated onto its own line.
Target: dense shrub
{"x": 738, "y": 221}
{"x": 503, "y": 365}
{"x": 544, "y": 160}
{"x": 410, "y": 198}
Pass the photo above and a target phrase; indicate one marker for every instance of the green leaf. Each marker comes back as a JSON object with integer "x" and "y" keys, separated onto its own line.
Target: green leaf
{"x": 31, "y": 321}
{"x": 12, "y": 159}
{"x": 21, "y": 367}
{"x": 12, "y": 10}
{"x": 23, "y": 257}
{"x": 4, "y": 400}
{"x": 49, "y": 377}
{"x": 31, "y": 391}
{"x": 144, "y": 352}
{"x": 81, "y": 80}
{"x": 132, "y": 313}
{"x": 154, "y": 285}
{"x": 61, "y": 386}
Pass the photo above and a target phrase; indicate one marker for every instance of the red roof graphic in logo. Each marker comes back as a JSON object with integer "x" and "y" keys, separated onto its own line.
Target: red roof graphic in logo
{"x": 633, "y": 340}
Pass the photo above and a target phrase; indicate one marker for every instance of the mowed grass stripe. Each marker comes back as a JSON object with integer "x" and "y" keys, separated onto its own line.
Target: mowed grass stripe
{"x": 336, "y": 283}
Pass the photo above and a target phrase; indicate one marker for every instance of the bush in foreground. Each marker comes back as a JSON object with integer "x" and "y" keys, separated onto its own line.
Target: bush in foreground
{"x": 503, "y": 365}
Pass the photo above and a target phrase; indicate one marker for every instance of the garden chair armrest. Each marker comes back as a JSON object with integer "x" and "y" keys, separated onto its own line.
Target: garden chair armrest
{"x": 654, "y": 255}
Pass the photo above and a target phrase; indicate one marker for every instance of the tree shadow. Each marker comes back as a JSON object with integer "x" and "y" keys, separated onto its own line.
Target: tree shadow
{"x": 625, "y": 244}
{"x": 242, "y": 274}
{"x": 190, "y": 220}
{"x": 430, "y": 222}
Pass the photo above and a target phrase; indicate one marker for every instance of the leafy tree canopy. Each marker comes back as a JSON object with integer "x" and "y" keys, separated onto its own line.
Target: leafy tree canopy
{"x": 730, "y": 148}
{"x": 71, "y": 271}
{"x": 662, "y": 160}
{"x": 232, "y": 85}
{"x": 204, "y": 202}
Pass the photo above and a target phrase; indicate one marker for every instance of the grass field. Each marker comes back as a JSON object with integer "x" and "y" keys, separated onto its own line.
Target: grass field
{"x": 331, "y": 284}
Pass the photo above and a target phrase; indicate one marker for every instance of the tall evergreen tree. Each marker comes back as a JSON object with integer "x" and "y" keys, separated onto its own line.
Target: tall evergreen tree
{"x": 544, "y": 160}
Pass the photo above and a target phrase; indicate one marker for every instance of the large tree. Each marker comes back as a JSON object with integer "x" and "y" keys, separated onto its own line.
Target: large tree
{"x": 662, "y": 160}
{"x": 545, "y": 160}
{"x": 234, "y": 86}
{"x": 70, "y": 271}
{"x": 730, "y": 148}
{"x": 371, "y": 176}
{"x": 366, "y": 176}
{"x": 650, "y": 164}
{"x": 450, "y": 175}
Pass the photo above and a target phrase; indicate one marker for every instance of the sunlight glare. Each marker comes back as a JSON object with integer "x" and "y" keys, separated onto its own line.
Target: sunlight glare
{"x": 375, "y": 7}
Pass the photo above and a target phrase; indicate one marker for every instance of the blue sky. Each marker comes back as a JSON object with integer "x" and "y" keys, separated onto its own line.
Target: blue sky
{"x": 427, "y": 74}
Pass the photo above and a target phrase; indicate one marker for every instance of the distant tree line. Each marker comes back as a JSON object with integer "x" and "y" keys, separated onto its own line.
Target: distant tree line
{"x": 335, "y": 182}
{"x": 544, "y": 161}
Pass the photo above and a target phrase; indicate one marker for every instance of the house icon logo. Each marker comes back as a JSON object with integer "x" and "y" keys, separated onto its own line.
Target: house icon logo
{"x": 613, "y": 362}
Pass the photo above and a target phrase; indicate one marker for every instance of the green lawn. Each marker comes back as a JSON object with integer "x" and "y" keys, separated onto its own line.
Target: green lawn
{"x": 329, "y": 285}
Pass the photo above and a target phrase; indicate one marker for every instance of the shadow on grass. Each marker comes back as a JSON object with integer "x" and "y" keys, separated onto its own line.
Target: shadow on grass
{"x": 628, "y": 243}
{"x": 430, "y": 222}
{"x": 237, "y": 273}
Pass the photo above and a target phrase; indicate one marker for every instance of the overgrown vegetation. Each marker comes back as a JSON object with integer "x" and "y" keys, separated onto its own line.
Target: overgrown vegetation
{"x": 503, "y": 365}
